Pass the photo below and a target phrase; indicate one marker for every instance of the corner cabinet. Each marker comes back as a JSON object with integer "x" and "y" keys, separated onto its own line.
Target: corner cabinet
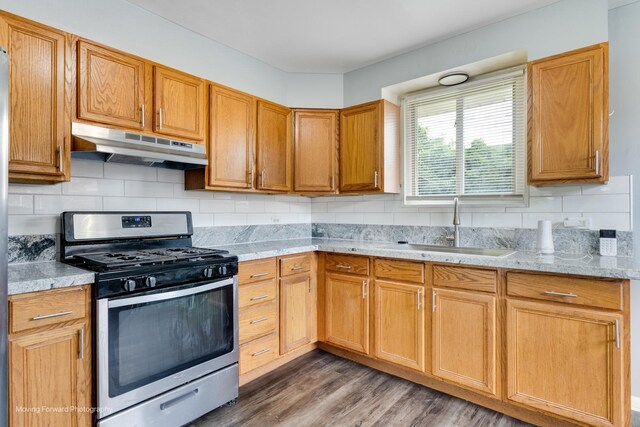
{"x": 569, "y": 117}
{"x": 370, "y": 148}
{"x": 274, "y": 147}
{"x": 39, "y": 99}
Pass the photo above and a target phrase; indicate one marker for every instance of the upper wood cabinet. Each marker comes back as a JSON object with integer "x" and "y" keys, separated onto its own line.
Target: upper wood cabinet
{"x": 370, "y": 148}
{"x": 347, "y": 311}
{"x": 39, "y": 100}
{"x": 569, "y": 117}
{"x": 274, "y": 147}
{"x": 179, "y": 104}
{"x": 566, "y": 361}
{"x": 111, "y": 87}
{"x": 231, "y": 139}
{"x": 315, "y": 146}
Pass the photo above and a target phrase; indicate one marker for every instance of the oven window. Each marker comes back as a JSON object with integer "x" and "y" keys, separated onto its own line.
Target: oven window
{"x": 149, "y": 341}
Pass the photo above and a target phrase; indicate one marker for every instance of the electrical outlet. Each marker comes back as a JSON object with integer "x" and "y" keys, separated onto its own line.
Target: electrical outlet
{"x": 578, "y": 222}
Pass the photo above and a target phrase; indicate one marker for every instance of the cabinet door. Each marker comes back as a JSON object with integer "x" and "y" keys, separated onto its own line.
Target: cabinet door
{"x": 347, "y": 312}
{"x": 297, "y": 312}
{"x": 50, "y": 369}
{"x": 399, "y": 323}
{"x": 38, "y": 119}
{"x": 565, "y": 361}
{"x": 232, "y": 138}
{"x": 111, "y": 87}
{"x": 274, "y": 147}
{"x": 464, "y": 339}
{"x": 179, "y": 104}
{"x": 361, "y": 147}
{"x": 568, "y": 122}
{"x": 315, "y": 151}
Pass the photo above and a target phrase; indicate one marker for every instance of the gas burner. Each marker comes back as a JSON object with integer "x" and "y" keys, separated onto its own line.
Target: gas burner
{"x": 109, "y": 261}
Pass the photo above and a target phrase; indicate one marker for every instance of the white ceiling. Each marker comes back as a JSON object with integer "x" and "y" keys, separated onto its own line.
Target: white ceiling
{"x": 332, "y": 36}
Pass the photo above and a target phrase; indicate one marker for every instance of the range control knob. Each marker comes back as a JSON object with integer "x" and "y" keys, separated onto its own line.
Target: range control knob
{"x": 222, "y": 270}
{"x": 150, "y": 282}
{"x": 129, "y": 285}
{"x": 208, "y": 272}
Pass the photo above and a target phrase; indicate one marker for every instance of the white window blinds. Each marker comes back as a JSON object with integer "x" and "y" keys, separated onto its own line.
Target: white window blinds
{"x": 467, "y": 141}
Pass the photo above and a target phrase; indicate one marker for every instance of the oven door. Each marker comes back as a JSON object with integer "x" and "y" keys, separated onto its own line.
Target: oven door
{"x": 156, "y": 341}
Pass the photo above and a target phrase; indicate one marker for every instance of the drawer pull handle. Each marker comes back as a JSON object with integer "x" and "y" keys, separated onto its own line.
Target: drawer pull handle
{"x": 258, "y": 353}
{"x": 346, "y": 266}
{"x": 419, "y": 299}
{"x": 81, "y": 339}
{"x": 560, "y": 294}
{"x": 299, "y": 267}
{"x": 49, "y": 316}
{"x": 617, "y": 334}
{"x": 259, "y": 297}
{"x": 168, "y": 404}
{"x": 260, "y": 320}
{"x": 253, "y": 276}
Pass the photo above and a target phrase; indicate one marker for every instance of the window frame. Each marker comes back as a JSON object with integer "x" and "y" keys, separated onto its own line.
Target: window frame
{"x": 492, "y": 200}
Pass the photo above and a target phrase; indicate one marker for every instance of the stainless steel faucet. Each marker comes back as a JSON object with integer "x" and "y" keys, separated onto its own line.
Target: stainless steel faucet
{"x": 456, "y": 224}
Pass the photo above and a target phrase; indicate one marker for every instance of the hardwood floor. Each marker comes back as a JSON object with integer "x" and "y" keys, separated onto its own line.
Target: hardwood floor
{"x": 320, "y": 389}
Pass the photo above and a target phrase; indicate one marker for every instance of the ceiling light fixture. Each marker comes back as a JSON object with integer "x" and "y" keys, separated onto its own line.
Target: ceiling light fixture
{"x": 453, "y": 79}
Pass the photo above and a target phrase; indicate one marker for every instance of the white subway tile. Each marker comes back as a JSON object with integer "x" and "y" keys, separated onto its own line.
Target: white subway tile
{"x": 411, "y": 218}
{"x": 93, "y": 187}
{"x": 336, "y": 207}
{"x": 372, "y": 206}
{"x": 349, "y": 198}
{"x": 556, "y": 190}
{"x": 318, "y": 207}
{"x": 148, "y": 189}
{"x": 615, "y": 221}
{"x": 218, "y": 206}
{"x": 230, "y": 219}
{"x": 349, "y": 218}
{"x": 20, "y": 204}
{"x": 256, "y": 196}
{"x": 59, "y": 204}
{"x": 222, "y": 195}
{"x": 300, "y": 208}
{"x": 377, "y": 218}
{"x": 130, "y": 172}
{"x": 191, "y": 205}
{"x": 541, "y": 204}
{"x": 616, "y": 185}
{"x": 509, "y": 220}
{"x": 251, "y": 206}
{"x": 304, "y": 218}
{"x": 87, "y": 168}
{"x": 202, "y": 220}
{"x": 292, "y": 199}
{"x": 180, "y": 193}
{"x": 35, "y": 189}
{"x": 397, "y": 206}
{"x": 272, "y": 206}
{"x": 322, "y": 217}
{"x": 33, "y": 224}
{"x": 258, "y": 218}
{"x": 597, "y": 203}
{"x": 129, "y": 204}
{"x": 170, "y": 175}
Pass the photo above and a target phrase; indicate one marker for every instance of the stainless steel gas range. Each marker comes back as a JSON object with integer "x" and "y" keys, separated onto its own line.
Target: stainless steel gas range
{"x": 166, "y": 316}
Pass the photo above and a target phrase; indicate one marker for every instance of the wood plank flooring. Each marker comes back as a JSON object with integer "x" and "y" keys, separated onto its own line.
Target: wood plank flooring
{"x": 319, "y": 389}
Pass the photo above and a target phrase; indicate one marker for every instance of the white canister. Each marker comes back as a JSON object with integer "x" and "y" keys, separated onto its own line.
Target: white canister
{"x": 545, "y": 237}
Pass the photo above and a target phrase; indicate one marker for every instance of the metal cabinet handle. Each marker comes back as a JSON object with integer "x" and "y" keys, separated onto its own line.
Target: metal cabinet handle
{"x": 49, "y": 316}
{"x": 298, "y": 267}
{"x": 142, "y": 116}
{"x": 597, "y": 158}
{"x": 375, "y": 179}
{"x": 419, "y": 291}
{"x": 81, "y": 338}
{"x": 333, "y": 183}
{"x": 345, "y": 266}
{"x": 251, "y": 177}
{"x": 364, "y": 289}
{"x": 259, "y": 298}
{"x": 178, "y": 399}
{"x": 617, "y": 334}
{"x": 253, "y": 276}
{"x": 262, "y": 178}
{"x": 160, "y": 118}
{"x": 433, "y": 301}
{"x": 560, "y": 294}
{"x": 260, "y": 320}
{"x": 258, "y": 353}
{"x": 60, "y": 158}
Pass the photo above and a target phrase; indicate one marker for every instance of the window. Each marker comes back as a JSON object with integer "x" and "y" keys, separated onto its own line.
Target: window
{"x": 467, "y": 141}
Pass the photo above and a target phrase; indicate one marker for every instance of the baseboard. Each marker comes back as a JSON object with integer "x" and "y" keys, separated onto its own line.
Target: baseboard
{"x": 635, "y": 403}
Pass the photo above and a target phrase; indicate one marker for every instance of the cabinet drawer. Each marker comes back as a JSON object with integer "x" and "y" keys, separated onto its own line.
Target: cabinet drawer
{"x": 257, "y": 293}
{"x": 404, "y": 271}
{"x": 349, "y": 264}
{"x": 295, "y": 265}
{"x": 258, "y": 352}
{"x": 255, "y": 271}
{"x": 473, "y": 279}
{"x": 46, "y": 308}
{"x": 258, "y": 321}
{"x": 572, "y": 290}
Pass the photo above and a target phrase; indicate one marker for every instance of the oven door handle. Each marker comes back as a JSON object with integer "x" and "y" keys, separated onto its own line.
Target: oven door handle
{"x": 161, "y": 296}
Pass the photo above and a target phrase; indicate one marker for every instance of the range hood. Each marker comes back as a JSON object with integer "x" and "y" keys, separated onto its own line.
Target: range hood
{"x": 118, "y": 146}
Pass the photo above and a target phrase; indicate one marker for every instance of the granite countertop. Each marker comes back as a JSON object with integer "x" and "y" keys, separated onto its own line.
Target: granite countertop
{"x": 613, "y": 267}
{"x": 40, "y": 276}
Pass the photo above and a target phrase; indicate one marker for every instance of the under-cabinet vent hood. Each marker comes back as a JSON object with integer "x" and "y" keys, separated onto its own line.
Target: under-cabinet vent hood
{"x": 113, "y": 145}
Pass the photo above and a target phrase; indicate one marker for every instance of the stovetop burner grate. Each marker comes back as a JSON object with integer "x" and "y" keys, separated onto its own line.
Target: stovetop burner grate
{"x": 108, "y": 260}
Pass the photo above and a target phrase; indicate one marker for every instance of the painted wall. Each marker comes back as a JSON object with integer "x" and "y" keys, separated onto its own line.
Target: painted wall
{"x": 562, "y": 26}
{"x": 624, "y": 130}
{"x": 125, "y": 26}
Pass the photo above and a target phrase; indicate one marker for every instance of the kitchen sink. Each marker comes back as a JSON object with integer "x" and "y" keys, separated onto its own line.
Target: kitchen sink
{"x": 497, "y": 253}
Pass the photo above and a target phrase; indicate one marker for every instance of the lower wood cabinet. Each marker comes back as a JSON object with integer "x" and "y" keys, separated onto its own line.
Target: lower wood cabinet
{"x": 297, "y": 312}
{"x": 464, "y": 338}
{"x": 567, "y": 361}
{"x": 399, "y": 323}
{"x": 347, "y": 312}
{"x": 50, "y": 365}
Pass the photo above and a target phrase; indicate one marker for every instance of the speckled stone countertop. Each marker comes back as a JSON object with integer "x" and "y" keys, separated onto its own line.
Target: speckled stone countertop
{"x": 41, "y": 276}
{"x": 614, "y": 267}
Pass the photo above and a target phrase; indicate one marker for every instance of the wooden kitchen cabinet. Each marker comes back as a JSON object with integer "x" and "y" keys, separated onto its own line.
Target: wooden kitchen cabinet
{"x": 231, "y": 138}
{"x": 370, "y": 148}
{"x": 464, "y": 338}
{"x": 179, "y": 104}
{"x": 273, "y": 147}
{"x": 50, "y": 365}
{"x": 567, "y": 361}
{"x": 315, "y": 146}
{"x": 347, "y": 311}
{"x": 111, "y": 87}
{"x": 297, "y": 312}
{"x": 39, "y": 100}
{"x": 569, "y": 117}
{"x": 399, "y": 323}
